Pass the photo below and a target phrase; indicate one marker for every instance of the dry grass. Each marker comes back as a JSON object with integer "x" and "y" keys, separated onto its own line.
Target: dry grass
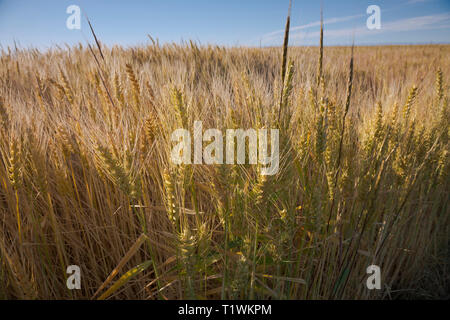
{"x": 85, "y": 171}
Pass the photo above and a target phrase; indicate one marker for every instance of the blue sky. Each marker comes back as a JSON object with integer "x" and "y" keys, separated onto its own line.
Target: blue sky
{"x": 232, "y": 22}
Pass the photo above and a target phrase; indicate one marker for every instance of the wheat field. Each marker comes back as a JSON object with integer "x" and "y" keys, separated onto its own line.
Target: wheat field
{"x": 86, "y": 177}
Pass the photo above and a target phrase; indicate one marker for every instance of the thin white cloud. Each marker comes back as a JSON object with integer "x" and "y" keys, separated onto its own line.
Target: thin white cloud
{"x": 418, "y": 23}
{"x": 416, "y": 1}
{"x": 429, "y": 22}
{"x": 276, "y": 34}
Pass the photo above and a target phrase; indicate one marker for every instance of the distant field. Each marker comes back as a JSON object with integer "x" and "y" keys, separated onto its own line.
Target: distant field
{"x": 86, "y": 176}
